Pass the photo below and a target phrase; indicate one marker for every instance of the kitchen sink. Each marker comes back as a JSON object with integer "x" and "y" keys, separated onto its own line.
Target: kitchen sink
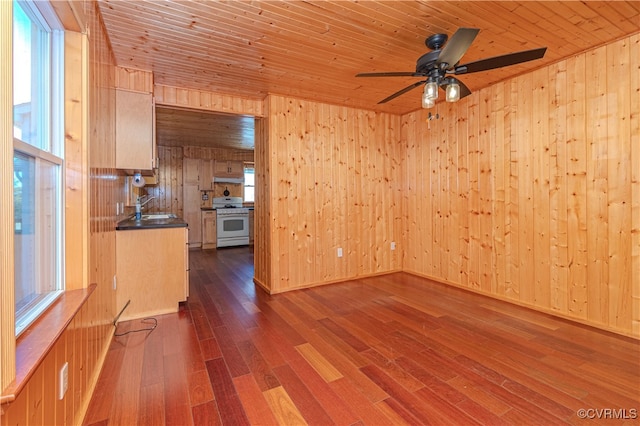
{"x": 158, "y": 216}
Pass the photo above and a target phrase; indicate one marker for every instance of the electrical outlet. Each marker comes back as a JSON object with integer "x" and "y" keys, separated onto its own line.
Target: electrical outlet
{"x": 64, "y": 380}
{"x": 339, "y": 251}
{"x": 393, "y": 245}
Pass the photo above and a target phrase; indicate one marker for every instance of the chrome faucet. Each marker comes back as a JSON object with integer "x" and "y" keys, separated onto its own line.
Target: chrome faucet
{"x": 145, "y": 201}
{"x": 139, "y": 206}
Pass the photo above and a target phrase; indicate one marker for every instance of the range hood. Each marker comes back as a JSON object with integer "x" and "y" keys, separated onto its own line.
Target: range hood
{"x": 217, "y": 179}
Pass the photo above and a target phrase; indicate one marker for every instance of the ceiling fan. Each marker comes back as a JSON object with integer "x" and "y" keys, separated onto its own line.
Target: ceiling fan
{"x": 438, "y": 65}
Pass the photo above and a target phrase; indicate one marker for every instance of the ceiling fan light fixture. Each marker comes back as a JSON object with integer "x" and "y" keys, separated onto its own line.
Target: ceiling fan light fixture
{"x": 453, "y": 92}
{"x": 444, "y": 59}
{"x": 427, "y": 102}
{"x": 431, "y": 90}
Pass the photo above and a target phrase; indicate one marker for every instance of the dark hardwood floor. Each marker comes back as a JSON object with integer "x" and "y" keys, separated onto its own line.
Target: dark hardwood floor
{"x": 394, "y": 349}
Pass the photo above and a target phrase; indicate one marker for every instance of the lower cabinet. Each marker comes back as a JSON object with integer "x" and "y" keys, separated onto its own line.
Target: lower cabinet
{"x": 191, "y": 213}
{"x": 209, "y": 232}
{"x": 152, "y": 271}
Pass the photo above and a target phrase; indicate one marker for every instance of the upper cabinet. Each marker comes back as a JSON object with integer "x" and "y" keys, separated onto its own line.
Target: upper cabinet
{"x": 135, "y": 131}
{"x": 206, "y": 174}
{"x": 191, "y": 171}
{"x": 229, "y": 169}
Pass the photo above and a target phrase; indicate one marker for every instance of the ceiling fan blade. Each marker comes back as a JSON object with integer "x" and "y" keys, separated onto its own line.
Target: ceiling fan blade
{"x": 457, "y": 46}
{"x": 402, "y": 92}
{"x": 464, "y": 90}
{"x": 500, "y": 61}
{"x": 389, "y": 74}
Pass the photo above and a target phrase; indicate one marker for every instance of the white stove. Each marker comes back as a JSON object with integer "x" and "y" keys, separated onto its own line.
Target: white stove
{"x": 232, "y": 221}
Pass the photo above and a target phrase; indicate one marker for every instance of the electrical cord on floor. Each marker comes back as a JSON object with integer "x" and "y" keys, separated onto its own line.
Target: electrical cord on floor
{"x": 150, "y": 320}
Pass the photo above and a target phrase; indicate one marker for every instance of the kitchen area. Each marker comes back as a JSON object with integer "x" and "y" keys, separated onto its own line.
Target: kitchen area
{"x": 219, "y": 195}
{"x": 197, "y": 193}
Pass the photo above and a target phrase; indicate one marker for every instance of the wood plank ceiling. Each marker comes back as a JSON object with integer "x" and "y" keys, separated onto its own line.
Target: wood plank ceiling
{"x": 314, "y": 49}
{"x": 180, "y": 127}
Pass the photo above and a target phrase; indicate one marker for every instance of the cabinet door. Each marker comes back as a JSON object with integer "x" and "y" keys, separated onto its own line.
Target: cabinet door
{"x": 221, "y": 168}
{"x": 191, "y": 199}
{"x": 209, "y": 234}
{"x": 231, "y": 169}
{"x": 236, "y": 168}
{"x": 191, "y": 172}
{"x": 206, "y": 174}
{"x": 135, "y": 138}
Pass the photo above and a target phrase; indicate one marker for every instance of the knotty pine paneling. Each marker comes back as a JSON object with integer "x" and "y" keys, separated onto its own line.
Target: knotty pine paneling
{"x": 7, "y": 313}
{"x": 85, "y": 340}
{"x": 262, "y": 255}
{"x": 312, "y": 50}
{"x": 206, "y": 153}
{"x": 168, "y": 191}
{"x": 634, "y": 74}
{"x": 332, "y": 184}
{"x": 107, "y": 188}
{"x": 134, "y": 80}
{"x": 528, "y": 190}
{"x": 206, "y": 100}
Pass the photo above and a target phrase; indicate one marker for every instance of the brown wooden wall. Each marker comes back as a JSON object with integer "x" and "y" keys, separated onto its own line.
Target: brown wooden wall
{"x": 7, "y": 226}
{"x": 168, "y": 191}
{"x": 207, "y": 153}
{"x": 333, "y": 182}
{"x": 91, "y": 160}
{"x": 262, "y": 255}
{"x": 529, "y": 190}
{"x": 207, "y": 101}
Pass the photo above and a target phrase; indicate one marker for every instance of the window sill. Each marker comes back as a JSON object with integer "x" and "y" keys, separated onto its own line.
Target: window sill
{"x": 36, "y": 341}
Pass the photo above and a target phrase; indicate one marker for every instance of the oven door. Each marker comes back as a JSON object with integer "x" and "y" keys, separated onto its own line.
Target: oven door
{"x": 232, "y": 230}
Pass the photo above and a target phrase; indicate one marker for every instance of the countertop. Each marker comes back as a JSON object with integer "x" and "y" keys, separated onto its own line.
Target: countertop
{"x": 130, "y": 224}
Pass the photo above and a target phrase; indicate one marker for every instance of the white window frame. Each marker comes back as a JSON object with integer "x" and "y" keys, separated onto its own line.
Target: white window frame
{"x": 50, "y": 149}
{"x": 244, "y": 186}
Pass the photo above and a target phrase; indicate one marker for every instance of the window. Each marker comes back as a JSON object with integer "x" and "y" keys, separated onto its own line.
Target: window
{"x": 249, "y": 183}
{"x": 37, "y": 159}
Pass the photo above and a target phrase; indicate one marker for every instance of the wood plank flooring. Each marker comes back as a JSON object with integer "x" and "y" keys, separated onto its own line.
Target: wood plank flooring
{"x": 394, "y": 349}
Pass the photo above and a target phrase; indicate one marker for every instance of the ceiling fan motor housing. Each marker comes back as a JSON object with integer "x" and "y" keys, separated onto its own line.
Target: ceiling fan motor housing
{"x": 426, "y": 62}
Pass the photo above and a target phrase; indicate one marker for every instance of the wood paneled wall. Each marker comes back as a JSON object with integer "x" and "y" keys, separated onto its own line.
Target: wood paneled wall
{"x": 333, "y": 183}
{"x": 85, "y": 340}
{"x": 206, "y": 153}
{"x": 82, "y": 346}
{"x": 168, "y": 191}
{"x": 529, "y": 190}
{"x": 208, "y": 101}
{"x": 262, "y": 255}
{"x": 134, "y": 80}
{"x": 7, "y": 227}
